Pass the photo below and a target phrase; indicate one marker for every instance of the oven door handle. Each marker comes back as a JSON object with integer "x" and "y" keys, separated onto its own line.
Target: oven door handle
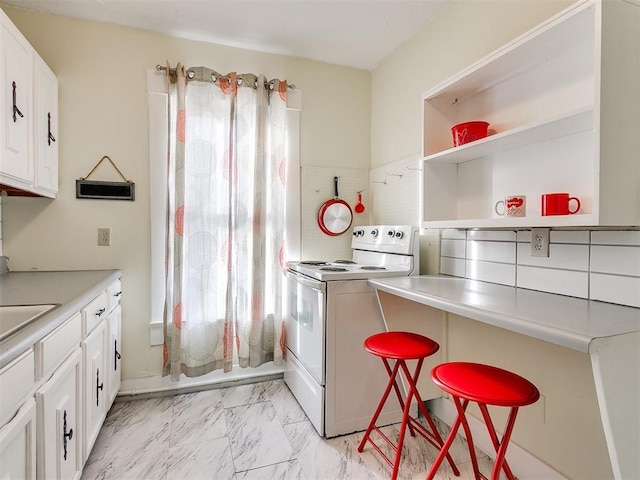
{"x": 307, "y": 282}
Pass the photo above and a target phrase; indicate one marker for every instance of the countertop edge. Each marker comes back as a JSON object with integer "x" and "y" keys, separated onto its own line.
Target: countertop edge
{"x": 570, "y": 339}
{"x": 26, "y": 338}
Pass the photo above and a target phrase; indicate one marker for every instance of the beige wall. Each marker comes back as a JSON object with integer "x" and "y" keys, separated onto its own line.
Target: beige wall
{"x": 564, "y": 429}
{"x": 103, "y": 111}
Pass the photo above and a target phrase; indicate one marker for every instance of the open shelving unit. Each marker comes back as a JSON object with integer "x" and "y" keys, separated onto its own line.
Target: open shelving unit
{"x": 563, "y": 103}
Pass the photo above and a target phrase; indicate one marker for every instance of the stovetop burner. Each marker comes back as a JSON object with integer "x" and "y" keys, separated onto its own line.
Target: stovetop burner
{"x": 333, "y": 269}
{"x": 313, "y": 262}
{"x": 372, "y": 267}
{"x": 345, "y": 262}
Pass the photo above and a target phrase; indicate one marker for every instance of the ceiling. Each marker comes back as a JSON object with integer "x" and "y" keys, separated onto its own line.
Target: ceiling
{"x": 356, "y": 33}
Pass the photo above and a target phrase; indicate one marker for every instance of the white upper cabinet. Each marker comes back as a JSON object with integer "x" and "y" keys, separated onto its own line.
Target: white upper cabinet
{"x": 563, "y": 103}
{"x": 46, "y": 129}
{"x": 16, "y": 100}
{"x": 28, "y": 117}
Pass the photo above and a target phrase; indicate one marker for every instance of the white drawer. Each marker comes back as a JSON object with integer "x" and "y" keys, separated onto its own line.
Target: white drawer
{"x": 16, "y": 381}
{"x": 94, "y": 313}
{"x": 55, "y": 347}
{"x": 115, "y": 294}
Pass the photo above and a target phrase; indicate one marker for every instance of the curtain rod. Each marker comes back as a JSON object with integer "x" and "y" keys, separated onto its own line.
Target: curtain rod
{"x": 214, "y": 77}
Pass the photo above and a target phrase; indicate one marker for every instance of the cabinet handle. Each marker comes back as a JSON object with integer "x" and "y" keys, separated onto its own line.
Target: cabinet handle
{"x": 117, "y": 294}
{"x": 16, "y": 110}
{"x": 99, "y": 387}
{"x": 100, "y": 312}
{"x": 116, "y": 356}
{"x": 50, "y": 138}
{"x": 66, "y": 435}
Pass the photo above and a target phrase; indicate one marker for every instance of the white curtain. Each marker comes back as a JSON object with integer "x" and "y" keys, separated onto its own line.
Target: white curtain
{"x": 225, "y": 237}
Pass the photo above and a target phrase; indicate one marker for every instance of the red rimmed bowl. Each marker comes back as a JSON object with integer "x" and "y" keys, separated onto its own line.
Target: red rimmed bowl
{"x": 468, "y": 132}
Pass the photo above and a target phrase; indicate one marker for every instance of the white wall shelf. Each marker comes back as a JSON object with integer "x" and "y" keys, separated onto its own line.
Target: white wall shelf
{"x": 563, "y": 102}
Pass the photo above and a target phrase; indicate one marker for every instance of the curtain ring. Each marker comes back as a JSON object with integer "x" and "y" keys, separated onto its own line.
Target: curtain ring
{"x": 190, "y": 74}
{"x": 214, "y": 79}
{"x": 239, "y": 81}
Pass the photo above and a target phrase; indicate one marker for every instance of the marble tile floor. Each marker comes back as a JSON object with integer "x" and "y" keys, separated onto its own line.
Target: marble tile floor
{"x": 249, "y": 432}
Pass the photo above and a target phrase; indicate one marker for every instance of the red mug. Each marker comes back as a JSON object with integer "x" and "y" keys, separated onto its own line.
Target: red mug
{"x": 558, "y": 204}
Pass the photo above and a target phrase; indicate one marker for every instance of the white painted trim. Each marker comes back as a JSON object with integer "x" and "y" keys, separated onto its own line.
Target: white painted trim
{"x": 523, "y": 464}
{"x": 158, "y": 385}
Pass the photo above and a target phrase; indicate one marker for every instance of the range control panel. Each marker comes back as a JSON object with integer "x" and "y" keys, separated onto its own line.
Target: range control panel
{"x": 385, "y": 238}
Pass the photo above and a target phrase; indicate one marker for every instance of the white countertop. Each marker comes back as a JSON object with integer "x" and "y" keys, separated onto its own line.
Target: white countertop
{"x": 72, "y": 290}
{"x": 566, "y": 321}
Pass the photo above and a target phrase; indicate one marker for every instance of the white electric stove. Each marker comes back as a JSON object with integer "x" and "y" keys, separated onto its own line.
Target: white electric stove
{"x": 331, "y": 310}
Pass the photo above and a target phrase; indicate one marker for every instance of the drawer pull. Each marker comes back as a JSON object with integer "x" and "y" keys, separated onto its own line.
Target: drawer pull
{"x": 99, "y": 387}
{"x": 16, "y": 110}
{"x": 66, "y": 435}
{"x": 117, "y": 355}
{"x": 117, "y": 294}
{"x": 100, "y": 312}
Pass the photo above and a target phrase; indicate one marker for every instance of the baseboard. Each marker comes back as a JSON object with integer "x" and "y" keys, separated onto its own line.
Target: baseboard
{"x": 158, "y": 385}
{"x": 523, "y": 464}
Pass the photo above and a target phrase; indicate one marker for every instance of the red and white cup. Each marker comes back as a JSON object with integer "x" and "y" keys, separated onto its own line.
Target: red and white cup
{"x": 559, "y": 204}
{"x": 512, "y": 206}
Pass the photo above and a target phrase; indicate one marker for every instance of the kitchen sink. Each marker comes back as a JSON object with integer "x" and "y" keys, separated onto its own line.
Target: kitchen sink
{"x": 16, "y": 317}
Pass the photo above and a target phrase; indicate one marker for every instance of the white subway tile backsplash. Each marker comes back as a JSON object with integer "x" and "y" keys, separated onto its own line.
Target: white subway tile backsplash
{"x": 615, "y": 289}
{"x": 504, "y": 252}
{"x": 452, "y": 248}
{"x": 615, "y": 259}
{"x": 452, "y": 266}
{"x": 502, "y": 273}
{"x": 496, "y": 235}
{"x": 454, "y": 234}
{"x": 569, "y": 236}
{"x": 615, "y": 238}
{"x": 563, "y": 282}
{"x": 599, "y": 265}
{"x": 570, "y": 257}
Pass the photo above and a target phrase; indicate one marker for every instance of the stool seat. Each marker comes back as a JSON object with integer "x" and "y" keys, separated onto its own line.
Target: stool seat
{"x": 485, "y": 384}
{"x": 400, "y": 345}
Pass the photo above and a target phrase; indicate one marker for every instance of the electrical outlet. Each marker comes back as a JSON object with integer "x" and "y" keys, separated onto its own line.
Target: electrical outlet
{"x": 539, "y": 242}
{"x": 104, "y": 237}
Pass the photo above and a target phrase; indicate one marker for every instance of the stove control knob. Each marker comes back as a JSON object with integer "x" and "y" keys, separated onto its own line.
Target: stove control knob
{"x": 374, "y": 232}
{"x": 399, "y": 234}
{"x": 391, "y": 233}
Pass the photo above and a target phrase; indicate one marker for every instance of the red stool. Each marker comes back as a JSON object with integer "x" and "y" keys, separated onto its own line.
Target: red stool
{"x": 485, "y": 385}
{"x": 402, "y": 346}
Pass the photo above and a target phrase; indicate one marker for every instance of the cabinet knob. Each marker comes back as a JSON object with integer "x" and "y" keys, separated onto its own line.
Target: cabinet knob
{"x": 66, "y": 435}
{"x": 16, "y": 110}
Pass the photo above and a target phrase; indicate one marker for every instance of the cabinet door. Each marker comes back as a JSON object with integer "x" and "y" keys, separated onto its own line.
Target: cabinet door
{"x": 18, "y": 444}
{"x": 46, "y": 129}
{"x": 59, "y": 452}
{"x": 114, "y": 359}
{"x": 16, "y": 104}
{"x": 94, "y": 349}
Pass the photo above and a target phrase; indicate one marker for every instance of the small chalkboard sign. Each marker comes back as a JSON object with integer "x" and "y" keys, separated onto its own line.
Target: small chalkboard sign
{"x": 104, "y": 190}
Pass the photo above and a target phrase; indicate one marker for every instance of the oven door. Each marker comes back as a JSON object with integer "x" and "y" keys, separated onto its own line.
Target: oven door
{"x": 305, "y": 325}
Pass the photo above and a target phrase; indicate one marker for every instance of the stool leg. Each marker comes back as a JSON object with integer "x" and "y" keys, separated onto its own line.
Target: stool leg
{"x": 499, "y": 444}
{"x": 436, "y": 439}
{"x": 467, "y": 433}
{"x": 372, "y": 423}
{"x": 397, "y": 390}
{"x": 500, "y": 462}
{"x": 447, "y": 445}
{"x": 405, "y": 418}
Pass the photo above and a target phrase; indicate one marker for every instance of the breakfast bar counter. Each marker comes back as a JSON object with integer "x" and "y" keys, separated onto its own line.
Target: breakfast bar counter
{"x": 608, "y": 333}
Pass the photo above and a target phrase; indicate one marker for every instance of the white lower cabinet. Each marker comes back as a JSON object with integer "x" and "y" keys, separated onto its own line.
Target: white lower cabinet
{"x": 114, "y": 357}
{"x": 18, "y": 444}
{"x": 59, "y": 422}
{"x": 95, "y": 380}
{"x": 74, "y": 374}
